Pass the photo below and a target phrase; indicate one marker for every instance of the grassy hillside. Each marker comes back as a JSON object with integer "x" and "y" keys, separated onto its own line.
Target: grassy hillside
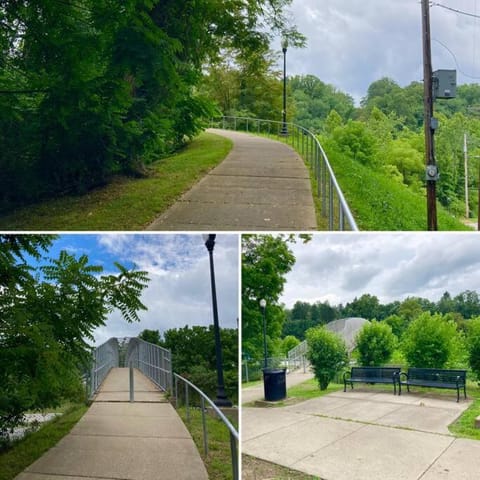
{"x": 380, "y": 203}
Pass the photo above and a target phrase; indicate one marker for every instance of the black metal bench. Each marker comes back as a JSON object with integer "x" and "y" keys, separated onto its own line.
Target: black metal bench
{"x": 433, "y": 377}
{"x": 371, "y": 375}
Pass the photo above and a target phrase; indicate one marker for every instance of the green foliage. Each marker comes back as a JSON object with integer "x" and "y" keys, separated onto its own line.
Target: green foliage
{"x": 375, "y": 344}
{"x": 288, "y": 343}
{"x": 429, "y": 341}
{"x": 473, "y": 345}
{"x": 88, "y": 89}
{"x": 193, "y": 352}
{"x": 327, "y": 354}
{"x": 47, "y": 316}
{"x": 266, "y": 259}
{"x": 151, "y": 336}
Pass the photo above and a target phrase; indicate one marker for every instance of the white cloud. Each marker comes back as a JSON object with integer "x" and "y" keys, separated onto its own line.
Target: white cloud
{"x": 392, "y": 266}
{"x": 352, "y": 43}
{"x": 179, "y": 291}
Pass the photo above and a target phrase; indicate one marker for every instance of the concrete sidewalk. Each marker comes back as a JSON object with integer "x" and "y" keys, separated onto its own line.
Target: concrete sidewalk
{"x": 261, "y": 185}
{"x": 365, "y": 435}
{"x": 250, "y": 394}
{"x": 119, "y": 440}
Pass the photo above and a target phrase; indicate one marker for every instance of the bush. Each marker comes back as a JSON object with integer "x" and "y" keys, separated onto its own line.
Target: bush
{"x": 429, "y": 341}
{"x": 375, "y": 344}
{"x": 327, "y": 353}
{"x": 288, "y": 343}
{"x": 473, "y": 345}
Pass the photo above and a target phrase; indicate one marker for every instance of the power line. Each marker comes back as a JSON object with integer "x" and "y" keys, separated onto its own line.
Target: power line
{"x": 461, "y": 12}
{"x": 455, "y": 59}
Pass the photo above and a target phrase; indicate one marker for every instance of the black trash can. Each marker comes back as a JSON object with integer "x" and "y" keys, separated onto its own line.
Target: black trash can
{"x": 274, "y": 384}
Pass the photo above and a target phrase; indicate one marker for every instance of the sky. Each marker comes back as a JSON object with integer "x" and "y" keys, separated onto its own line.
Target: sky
{"x": 352, "y": 43}
{"x": 179, "y": 291}
{"x": 392, "y": 266}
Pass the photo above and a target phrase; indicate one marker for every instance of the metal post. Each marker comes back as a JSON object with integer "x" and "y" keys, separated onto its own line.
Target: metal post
{"x": 131, "y": 384}
{"x": 233, "y": 450}
{"x": 265, "y": 365}
{"x": 330, "y": 205}
{"x": 204, "y": 424}
{"x": 428, "y": 115}
{"x": 284, "y": 111}
{"x": 221, "y": 399}
{"x": 187, "y": 406}
{"x": 465, "y": 154}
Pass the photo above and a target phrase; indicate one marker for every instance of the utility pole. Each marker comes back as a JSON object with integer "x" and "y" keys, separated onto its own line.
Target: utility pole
{"x": 465, "y": 154}
{"x": 430, "y": 123}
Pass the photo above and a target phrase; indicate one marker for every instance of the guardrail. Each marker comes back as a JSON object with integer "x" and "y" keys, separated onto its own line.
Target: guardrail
{"x": 105, "y": 357}
{"x": 218, "y": 412}
{"x": 252, "y": 368}
{"x": 333, "y": 203}
{"x": 297, "y": 356}
{"x": 153, "y": 361}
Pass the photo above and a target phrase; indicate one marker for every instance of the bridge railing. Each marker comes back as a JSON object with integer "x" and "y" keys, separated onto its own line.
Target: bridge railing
{"x": 153, "y": 361}
{"x": 105, "y": 357}
{"x": 334, "y": 207}
{"x": 204, "y": 400}
{"x": 297, "y": 356}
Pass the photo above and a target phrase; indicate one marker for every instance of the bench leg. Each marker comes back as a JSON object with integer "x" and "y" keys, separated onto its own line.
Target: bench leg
{"x": 344, "y": 385}
{"x": 458, "y": 394}
{"x": 465, "y": 391}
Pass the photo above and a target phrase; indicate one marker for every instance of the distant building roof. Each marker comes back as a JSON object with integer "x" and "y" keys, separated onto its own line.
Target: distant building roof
{"x": 347, "y": 328}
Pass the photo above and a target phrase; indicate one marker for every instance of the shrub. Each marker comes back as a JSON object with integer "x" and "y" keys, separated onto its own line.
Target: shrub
{"x": 288, "y": 343}
{"x": 473, "y": 345}
{"x": 429, "y": 341}
{"x": 327, "y": 353}
{"x": 375, "y": 343}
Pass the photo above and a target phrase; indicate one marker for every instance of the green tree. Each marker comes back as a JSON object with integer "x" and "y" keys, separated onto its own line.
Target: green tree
{"x": 327, "y": 354}
{"x": 429, "y": 341}
{"x": 473, "y": 345}
{"x": 375, "y": 344}
{"x": 47, "y": 316}
{"x": 193, "y": 352}
{"x": 151, "y": 336}
{"x": 288, "y": 343}
{"x": 266, "y": 259}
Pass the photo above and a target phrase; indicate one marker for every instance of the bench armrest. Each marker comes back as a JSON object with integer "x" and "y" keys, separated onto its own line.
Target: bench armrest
{"x": 345, "y": 375}
{"x": 404, "y": 374}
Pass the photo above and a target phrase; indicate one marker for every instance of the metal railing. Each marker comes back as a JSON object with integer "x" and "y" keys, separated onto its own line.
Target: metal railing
{"x": 153, "y": 361}
{"x": 203, "y": 398}
{"x": 252, "y": 368}
{"x": 105, "y": 357}
{"x": 333, "y": 203}
{"x": 297, "y": 356}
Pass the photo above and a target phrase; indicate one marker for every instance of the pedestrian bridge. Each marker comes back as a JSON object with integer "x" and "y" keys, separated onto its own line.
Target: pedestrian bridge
{"x": 131, "y": 431}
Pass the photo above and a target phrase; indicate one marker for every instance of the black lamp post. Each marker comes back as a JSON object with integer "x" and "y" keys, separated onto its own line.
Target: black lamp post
{"x": 221, "y": 400}
{"x": 263, "y": 306}
{"x": 284, "y": 130}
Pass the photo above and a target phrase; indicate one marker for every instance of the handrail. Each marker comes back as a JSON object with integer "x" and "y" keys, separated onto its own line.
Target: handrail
{"x": 333, "y": 201}
{"x": 297, "y": 356}
{"x": 153, "y": 361}
{"x": 203, "y": 397}
{"x": 104, "y": 358}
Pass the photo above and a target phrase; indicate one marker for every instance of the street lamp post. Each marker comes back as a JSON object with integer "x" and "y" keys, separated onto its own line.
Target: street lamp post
{"x": 284, "y": 130}
{"x": 263, "y": 305}
{"x": 221, "y": 400}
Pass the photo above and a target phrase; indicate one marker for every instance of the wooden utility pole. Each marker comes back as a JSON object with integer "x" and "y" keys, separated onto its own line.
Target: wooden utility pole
{"x": 432, "y": 174}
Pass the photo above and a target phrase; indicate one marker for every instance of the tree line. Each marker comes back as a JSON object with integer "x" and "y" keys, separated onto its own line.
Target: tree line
{"x": 398, "y": 314}
{"x": 92, "y": 88}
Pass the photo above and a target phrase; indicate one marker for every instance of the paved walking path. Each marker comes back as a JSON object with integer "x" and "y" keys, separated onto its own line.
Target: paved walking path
{"x": 250, "y": 394}
{"x": 261, "y": 185}
{"x": 364, "y": 435}
{"x": 116, "y": 439}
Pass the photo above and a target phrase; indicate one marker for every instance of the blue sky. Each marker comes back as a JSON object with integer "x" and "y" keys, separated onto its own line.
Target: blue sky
{"x": 179, "y": 289}
{"x": 352, "y": 43}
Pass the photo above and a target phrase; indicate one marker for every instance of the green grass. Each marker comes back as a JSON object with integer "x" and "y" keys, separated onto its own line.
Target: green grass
{"x": 465, "y": 425}
{"x": 255, "y": 469}
{"x": 218, "y": 461}
{"x": 251, "y": 384}
{"x": 24, "y": 452}
{"x": 126, "y": 203}
{"x": 310, "y": 389}
{"x": 380, "y": 203}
